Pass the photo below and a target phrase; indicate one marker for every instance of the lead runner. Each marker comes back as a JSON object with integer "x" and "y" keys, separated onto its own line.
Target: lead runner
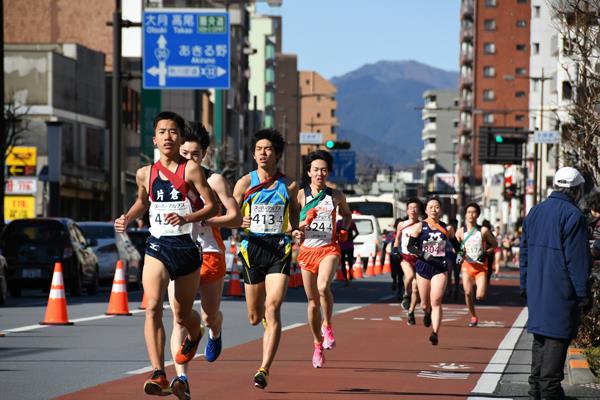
{"x": 270, "y": 209}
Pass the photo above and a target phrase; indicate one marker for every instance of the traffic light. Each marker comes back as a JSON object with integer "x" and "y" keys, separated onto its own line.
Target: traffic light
{"x": 501, "y": 145}
{"x": 334, "y": 145}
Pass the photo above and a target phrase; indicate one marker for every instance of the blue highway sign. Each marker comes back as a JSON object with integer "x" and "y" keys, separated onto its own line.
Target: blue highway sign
{"x": 344, "y": 166}
{"x": 186, "y": 49}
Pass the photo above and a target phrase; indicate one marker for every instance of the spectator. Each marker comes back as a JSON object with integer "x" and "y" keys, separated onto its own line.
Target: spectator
{"x": 555, "y": 268}
{"x": 593, "y": 203}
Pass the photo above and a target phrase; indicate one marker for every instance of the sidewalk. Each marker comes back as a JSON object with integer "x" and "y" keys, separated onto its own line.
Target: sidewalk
{"x": 513, "y": 383}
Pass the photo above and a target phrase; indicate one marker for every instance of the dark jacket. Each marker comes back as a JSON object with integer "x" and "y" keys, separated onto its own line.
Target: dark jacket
{"x": 555, "y": 266}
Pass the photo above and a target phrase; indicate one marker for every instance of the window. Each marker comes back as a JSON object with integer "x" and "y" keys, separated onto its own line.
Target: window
{"x": 521, "y": 23}
{"x": 489, "y": 24}
{"x": 333, "y": 113}
{"x": 488, "y": 118}
{"x": 521, "y": 47}
{"x": 521, "y": 71}
{"x": 567, "y": 90}
{"x": 489, "y": 48}
{"x": 307, "y": 81}
{"x": 536, "y": 48}
{"x": 490, "y": 3}
{"x": 519, "y": 118}
{"x": 537, "y": 11}
{"x": 488, "y": 95}
{"x": 318, "y": 115}
{"x": 489, "y": 71}
{"x": 520, "y": 94}
{"x": 432, "y": 120}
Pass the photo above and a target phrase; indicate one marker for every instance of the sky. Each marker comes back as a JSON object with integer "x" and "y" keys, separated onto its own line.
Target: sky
{"x": 334, "y": 37}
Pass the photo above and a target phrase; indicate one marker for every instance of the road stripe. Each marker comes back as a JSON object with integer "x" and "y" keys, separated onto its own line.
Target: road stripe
{"x": 345, "y": 310}
{"x": 493, "y": 372}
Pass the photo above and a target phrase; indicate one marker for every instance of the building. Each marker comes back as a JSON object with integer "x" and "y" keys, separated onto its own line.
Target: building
{"x": 494, "y": 91}
{"x": 317, "y": 107}
{"x": 66, "y": 83}
{"x": 287, "y": 112}
{"x": 439, "y": 133}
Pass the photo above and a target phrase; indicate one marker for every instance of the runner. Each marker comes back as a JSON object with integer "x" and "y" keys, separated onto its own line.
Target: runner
{"x": 347, "y": 247}
{"x": 270, "y": 208}
{"x": 167, "y": 189}
{"x": 212, "y": 272}
{"x": 320, "y": 254}
{"x": 476, "y": 244}
{"x": 408, "y": 263}
{"x": 428, "y": 242}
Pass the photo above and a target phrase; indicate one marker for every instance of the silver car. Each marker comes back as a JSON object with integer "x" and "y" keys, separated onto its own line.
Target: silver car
{"x": 110, "y": 247}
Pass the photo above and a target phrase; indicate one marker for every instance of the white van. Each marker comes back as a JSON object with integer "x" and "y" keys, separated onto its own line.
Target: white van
{"x": 384, "y": 207}
{"x": 368, "y": 242}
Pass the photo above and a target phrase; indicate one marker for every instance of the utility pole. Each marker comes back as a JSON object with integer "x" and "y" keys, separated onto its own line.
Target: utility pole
{"x": 115, "y": 167}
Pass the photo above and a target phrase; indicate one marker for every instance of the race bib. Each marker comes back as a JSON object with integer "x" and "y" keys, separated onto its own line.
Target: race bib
{"x": 437, "y": 248}
{"x": 473, "y": 251}
{"x": 158, "y": 212}
{"x": 266, "y": 218}
{"x": 321, "y": 227}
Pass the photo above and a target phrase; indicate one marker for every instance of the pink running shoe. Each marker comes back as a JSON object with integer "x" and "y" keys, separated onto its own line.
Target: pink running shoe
{"x": 328, "y": 338}
{"x": 318, "y": 356}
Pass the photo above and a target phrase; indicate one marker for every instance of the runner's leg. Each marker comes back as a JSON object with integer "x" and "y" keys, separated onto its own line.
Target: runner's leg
{"x": 275, "y": 287}
{"x": 468, "y": 283}
{"x": 185, "y": 288}
{"x": 178, "y": 332}
{"x": 482, "y": 284}
{"x": 212, "y": 316}
{"x": 314, "y": 304}
{"x": 155, "y": 279}
{"x": 438, "y": 286}
{"x": 325, "y": 276}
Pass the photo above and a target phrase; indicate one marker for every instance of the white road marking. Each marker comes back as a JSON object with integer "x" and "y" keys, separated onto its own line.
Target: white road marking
{"x": 359, "y": 318}
{"x": 376, "y": 319}
{"x": 450, "y": 366}
{"x": 493, "y": 372}
{"x": 345, "y": 310}
{"x": 442, "y": 375}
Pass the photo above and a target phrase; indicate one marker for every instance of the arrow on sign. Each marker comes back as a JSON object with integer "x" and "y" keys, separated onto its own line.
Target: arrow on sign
{"x": 16, "y": 170}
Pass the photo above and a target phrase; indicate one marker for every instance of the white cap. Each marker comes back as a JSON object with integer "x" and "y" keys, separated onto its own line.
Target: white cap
{"x": 568, "y": 177}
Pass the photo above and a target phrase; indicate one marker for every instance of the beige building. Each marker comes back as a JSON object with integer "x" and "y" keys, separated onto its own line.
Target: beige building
{"x": 317, "y": 108}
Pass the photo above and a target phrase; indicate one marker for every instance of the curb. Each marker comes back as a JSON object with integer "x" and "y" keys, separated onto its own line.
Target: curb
{"x": 578, "y": 368}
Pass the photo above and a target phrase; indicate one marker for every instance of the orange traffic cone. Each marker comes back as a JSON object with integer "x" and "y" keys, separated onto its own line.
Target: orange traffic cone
{"x": 387, "y": 265}
{"x": 118, "y": 303}
{"x": 370, "y": 268}
{"x": 143, "y": 304}
{"x": 357, "y": 269}
{"x": 234, "y": 288}
{"x": 377, "y": 267}
{"x": 56, "y": 311}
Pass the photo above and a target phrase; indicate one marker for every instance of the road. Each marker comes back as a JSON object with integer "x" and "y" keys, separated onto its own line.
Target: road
{"x": 378, "y": 354}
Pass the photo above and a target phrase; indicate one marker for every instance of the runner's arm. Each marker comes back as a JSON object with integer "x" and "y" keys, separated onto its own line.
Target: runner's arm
{"x": 141, "y": 204}
{"x": 413, "y": 241}
{"x": 398, "y": 236}
{"x": 240, "y": 188}
{"x": 294, "y": 216}
{"x": 233, "y": 215}
{"x": 345, "y": 212}
{"x": 195, "y": 176}
{"x": 490, "y": 239}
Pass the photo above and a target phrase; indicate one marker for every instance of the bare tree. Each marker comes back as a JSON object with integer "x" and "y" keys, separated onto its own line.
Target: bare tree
{"x": 578, "y": 26}
{"x": 16, "y": 124}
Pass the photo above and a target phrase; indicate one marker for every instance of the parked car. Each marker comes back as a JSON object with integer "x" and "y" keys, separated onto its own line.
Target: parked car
{"x": 109, "y": 248}
{"x": 3, "y": 280}
{"x": 32, "y": 246}
{"x": 138, "y": 238}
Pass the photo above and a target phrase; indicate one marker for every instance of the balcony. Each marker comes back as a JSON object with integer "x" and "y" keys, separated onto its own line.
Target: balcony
{"x": 467, "y": 9}
{"x": 465, "y": 104}
{"x": 428, "y": 154}
{"x": 466, "y": 34}
{"x": 466, "y": 57}
{"x": 465, "y": 127}
{"x": 428, "y": 134}
{"x": 466, "y": 80}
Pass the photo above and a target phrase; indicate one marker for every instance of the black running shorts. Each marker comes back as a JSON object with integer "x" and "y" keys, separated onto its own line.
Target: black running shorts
{"x": 263, "y": 255}
{"x": 179, "y": 254}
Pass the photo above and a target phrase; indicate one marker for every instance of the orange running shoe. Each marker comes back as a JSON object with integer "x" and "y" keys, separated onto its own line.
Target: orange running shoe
{"x": 187, "y": 351}
{"x": 157, "y": 384}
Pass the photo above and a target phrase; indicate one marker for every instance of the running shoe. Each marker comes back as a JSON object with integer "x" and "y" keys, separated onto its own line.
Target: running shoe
{"x": 213, "y": 348}
{"x": 187, "y": 351}
{"x": 157, "y": 384}
{"x": 473, "y": 321}
{"x": 318, "y": 359}
{"x": 433, "y": 338}
{"x": 260, "y": 378}
{"x": 406, "y": 302}
{"x": 180, "y": 387}
{"x": 328, "y": 338}
{"x": 427, "y": 319}
{"x": 411, "y": 318}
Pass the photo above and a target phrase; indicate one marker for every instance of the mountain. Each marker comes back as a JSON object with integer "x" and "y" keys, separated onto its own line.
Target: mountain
{"x": 378, "y": 108}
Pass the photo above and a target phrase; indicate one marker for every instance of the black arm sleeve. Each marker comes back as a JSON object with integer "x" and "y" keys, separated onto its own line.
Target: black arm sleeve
{"x": 413, "y": 247}
{"x": 455, "y": 244}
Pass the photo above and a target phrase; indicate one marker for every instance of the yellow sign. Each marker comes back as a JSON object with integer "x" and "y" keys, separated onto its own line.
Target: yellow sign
{"x": 19, "y": 207}
{"x": 22, "y": 156}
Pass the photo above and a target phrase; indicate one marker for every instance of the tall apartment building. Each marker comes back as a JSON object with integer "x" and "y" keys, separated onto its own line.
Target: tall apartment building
{"x": 317, "y": 107}
{"x": 438, "y": 134}
{"x": 494, "y": 86}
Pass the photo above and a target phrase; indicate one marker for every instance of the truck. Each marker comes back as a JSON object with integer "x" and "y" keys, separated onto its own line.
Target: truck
{"x": 385, "y": 207}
